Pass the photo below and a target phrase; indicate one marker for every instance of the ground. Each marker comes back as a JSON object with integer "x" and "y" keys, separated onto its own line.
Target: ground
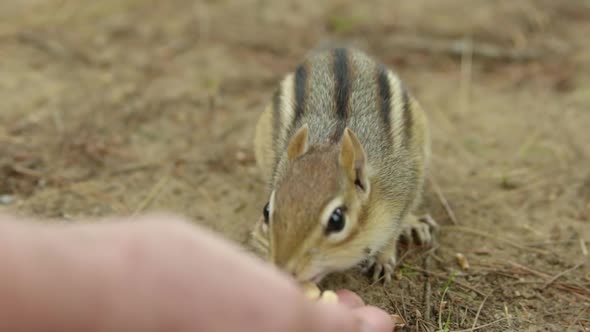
{"x": 123, "y": 107}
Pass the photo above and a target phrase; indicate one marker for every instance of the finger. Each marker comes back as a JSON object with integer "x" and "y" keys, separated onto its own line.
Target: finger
{"x": 375, "y": 319}
{"x": 323, "y": 317}
{"x": 349, "y": 299}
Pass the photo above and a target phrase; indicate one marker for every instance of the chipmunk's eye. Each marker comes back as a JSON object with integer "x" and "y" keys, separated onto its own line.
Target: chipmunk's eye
{"x": 266, "y": 213}
{"x": 336, "y": 222}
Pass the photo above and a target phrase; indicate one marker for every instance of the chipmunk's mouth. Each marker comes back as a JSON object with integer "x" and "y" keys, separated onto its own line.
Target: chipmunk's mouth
{"x": 314, "y": 275}
{"x": 317, "y": 278}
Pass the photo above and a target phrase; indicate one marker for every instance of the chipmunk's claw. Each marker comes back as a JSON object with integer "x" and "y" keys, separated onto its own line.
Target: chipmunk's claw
{"x": 382, "y": 267}
{"x": 419, "y": 230}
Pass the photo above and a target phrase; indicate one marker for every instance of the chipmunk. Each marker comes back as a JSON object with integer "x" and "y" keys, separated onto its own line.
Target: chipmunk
{"x": 346, "y": 149}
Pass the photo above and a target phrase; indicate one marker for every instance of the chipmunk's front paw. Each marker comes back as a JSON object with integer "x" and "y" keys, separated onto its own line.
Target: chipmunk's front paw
{"x": 419, "y": 230}
{"x": 382, "y": 266}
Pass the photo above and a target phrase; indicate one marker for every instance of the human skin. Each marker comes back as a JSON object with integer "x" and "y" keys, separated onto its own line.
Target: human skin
{"x": 154, "y": 273}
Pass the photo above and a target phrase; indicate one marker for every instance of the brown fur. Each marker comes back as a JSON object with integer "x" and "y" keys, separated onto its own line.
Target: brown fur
{"x": 315, "y": 155}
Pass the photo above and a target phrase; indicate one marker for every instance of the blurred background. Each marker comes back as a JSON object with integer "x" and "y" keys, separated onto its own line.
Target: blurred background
{"x": 121, "y": 107}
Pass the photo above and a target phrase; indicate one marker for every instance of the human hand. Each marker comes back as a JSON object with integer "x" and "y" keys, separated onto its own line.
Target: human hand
{"x": 155, "y": 273}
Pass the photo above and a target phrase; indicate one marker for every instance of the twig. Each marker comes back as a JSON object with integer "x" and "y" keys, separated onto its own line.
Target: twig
{"x": 53, "y": 47}
{"x": 424, "y": 325}
{"x": 464, "y": 316}
{"x": 58, "y": 122}
{"x": 400, "y": 261}
{"x": 578, "y": 316}
{"x": 557, "y": 276}
{"x": 134, "y": 167}
{"x": 26, "y": 171}
{"x": 427, "y": 289}
{"x": 481, "y": 326}
{"x": 528, "y": 143}
{"x": 525, "y": 188}
{"x": 442, "y": 277}
{"x": 478, "y": 312}
{"x": 583, "y": 247}
{"x": 394, "y": 305}
{"x": 489, "y": 236}
{"x": 456, "y": 48}
{"x": 443, "y": 201}
{"x": 404, "y": 305}
{"x": 118, "y": 206}
{"x": 506, "y": 314}
{"x": 529, "y": 270}
{"x": 575, "y": 290}
{"x": 576, "y": 145}
{"x": 10, "y": 139}
{"x": 231, "y": 130}
{"x": 465, "y": 83}
{"x": 551, "y": 242}
{"x": 152, "y": 194}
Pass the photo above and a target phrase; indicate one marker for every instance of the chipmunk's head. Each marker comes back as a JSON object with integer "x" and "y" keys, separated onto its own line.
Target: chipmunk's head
{"x": 312, "y": 217}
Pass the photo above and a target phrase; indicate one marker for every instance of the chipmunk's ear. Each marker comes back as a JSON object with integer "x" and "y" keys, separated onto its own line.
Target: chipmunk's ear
{"x": 298, "y": 144}
{"x": 353, "y": 159}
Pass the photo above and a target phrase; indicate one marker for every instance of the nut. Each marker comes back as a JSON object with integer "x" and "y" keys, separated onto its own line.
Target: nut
{"x": 311, "y": 291}
{"x": 398, "y": 321}
{"x": 462, "y": 261}
{"x": 329, "y": 297}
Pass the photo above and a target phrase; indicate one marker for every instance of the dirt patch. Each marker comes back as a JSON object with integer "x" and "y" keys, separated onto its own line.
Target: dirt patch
{"x": 120, "y": 107}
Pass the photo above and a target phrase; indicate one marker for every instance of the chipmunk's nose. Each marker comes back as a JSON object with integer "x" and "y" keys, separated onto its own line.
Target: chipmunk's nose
{"x": 290, "y": 271}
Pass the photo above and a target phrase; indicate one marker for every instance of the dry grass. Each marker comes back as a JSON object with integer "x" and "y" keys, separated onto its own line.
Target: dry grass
{"x": 119, "y": 107}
